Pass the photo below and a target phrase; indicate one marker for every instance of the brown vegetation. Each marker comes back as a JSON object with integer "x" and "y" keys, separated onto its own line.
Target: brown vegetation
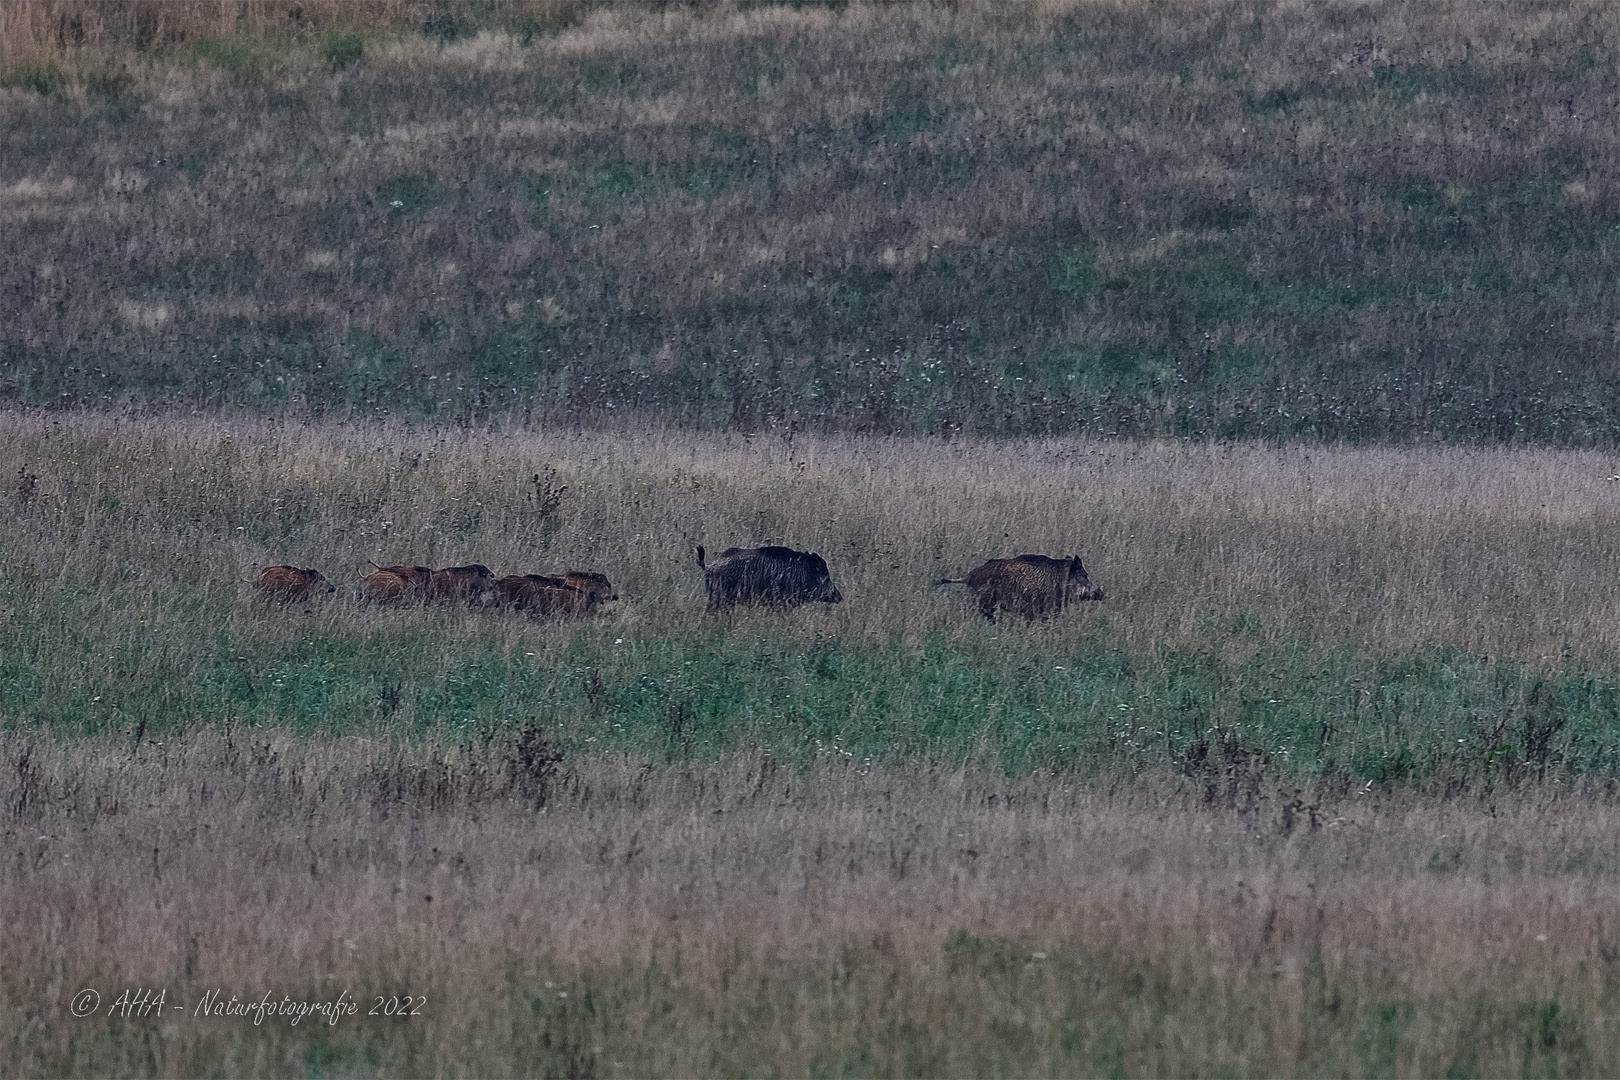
{"x": 45, "y": 30}
{"x": 606, "y": 917}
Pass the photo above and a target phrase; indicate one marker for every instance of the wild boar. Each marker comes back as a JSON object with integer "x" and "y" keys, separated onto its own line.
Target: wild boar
{"x": 773, "y": 576}
{"x": 1033, "y": 586}
{"x": 291, "y": 583}
{"x": 587, "y": 581}
{"x": 472, "y": 584}
{"x": 544, "y": 596}
{"x": 396, "y": 583}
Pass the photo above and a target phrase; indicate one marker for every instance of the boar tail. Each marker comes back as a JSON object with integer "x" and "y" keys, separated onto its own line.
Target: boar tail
{"x": 700, "y": 557}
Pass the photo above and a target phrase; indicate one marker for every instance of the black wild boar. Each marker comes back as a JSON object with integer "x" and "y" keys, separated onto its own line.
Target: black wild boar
{"x": 775, "y": 576}
{"x": 1033, "y": 586}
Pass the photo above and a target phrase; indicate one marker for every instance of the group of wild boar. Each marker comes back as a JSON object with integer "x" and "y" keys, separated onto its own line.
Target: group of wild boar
{"x": 572, "y": 594}
{"x": 1033, "y": 586}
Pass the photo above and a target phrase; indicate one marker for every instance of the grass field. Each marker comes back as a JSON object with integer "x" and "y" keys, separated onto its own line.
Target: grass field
{"x": 743, "y": 918}
{"x": 1395, "y": 614}
{"x": 1347, "y": 222}
{"x": 1325, "y": 785}
{"x": 1297, "y": 322}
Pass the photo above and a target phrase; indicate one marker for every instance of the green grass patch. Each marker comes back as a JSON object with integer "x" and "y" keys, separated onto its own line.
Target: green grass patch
{"x": 343, "y": 50}
{"x": 87, "y": 665}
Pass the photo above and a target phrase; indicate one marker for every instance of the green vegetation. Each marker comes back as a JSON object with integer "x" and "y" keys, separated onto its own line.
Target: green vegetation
{"x": 1223, "y": 221}
{"x": 1079, "y": 703}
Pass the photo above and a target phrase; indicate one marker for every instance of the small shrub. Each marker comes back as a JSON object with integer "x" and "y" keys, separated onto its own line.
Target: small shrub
{"x": 43, "y": 79}
{"x": 342, "y": 50}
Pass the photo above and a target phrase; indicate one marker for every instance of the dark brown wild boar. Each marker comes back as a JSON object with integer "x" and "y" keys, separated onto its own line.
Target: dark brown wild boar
{"x": 471, "y": 584}
{"x": 587, "y": 581}
{"x": 400, "y": 584}
{"x": 291, "y": 583}
{"x": 773, "y": 576}
{"x": 1033, "y": 586}
{"x": 543, "y": 596}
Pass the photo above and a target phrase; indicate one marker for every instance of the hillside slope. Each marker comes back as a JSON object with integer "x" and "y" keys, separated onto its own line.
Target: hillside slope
{"x": 1359, "y": 223}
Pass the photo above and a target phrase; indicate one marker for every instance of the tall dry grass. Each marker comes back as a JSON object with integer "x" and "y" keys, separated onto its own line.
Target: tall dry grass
{"x": 607, "y": 917}
{"x": 1504, "y": 552}
{"x": 46, "y": 31}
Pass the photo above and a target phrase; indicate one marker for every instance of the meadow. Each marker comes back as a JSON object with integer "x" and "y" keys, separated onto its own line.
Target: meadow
{"x": 1382, "y": 612}
{"x": 1325, "y": 785}
{"x": 1343, "y": 222}
{"x": 1296, "y": 322}
{"x": 744, "y": 918}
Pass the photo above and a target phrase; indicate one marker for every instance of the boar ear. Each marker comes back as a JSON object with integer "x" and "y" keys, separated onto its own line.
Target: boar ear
{"x": 1076, "y": 569}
